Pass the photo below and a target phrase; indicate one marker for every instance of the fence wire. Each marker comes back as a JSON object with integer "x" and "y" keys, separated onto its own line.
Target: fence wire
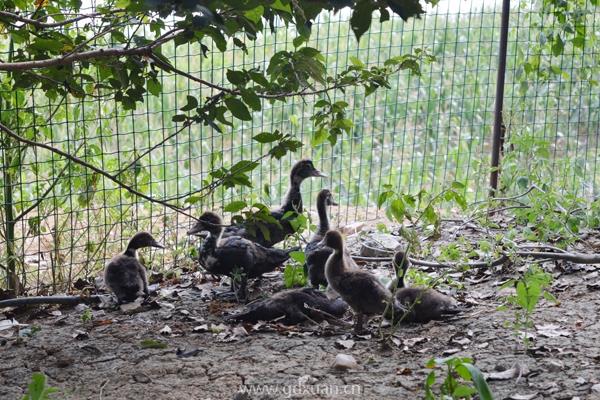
{"x": 423, "y": 133}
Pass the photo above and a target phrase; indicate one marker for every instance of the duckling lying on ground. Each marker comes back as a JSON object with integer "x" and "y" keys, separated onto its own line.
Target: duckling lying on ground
{"x": 125, "y": 275}
{"x": 423, "y": 305}
{"x": 234, "y": 255}
{"x": 316, "y": 252}
{"x": 292, "y": 307}
{"x": 292, "y": 205}
{"x": 360, "y": 289}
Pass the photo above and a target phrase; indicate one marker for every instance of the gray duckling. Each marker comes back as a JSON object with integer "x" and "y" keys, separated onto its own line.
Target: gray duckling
{"x": 316, "y": 252}
{"x": 292, "y": 307}
{"x": 234, "y": 254}
{"x": 361, "y": 290}
{"x": 422, "y": 304}
{"x": 280, "y": 228}
{"x": 125, "y": 275}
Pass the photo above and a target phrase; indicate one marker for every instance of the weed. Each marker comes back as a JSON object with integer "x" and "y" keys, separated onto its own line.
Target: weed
{"x": 37, "y": 388}
{"x": 463, "y": 380}
{"x": 529, "y": 289}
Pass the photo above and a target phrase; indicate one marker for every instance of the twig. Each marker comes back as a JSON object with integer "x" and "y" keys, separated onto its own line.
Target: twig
{"x": 67, "y": 300}
{"x": 132, "y": 163}
{"x": 98, "y": 170}
{"x": 38, "y": 24}
{"x": 48, "y": 190}
{"x": 145, "y": 50}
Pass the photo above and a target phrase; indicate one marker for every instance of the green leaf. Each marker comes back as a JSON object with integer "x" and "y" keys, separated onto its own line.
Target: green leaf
{"x": 243, "y": 166}
{"x": 235, "y": 206}
{"x": 236, "y": 77}
{"x": 192, "y": 103}
{"x": 558, "y": 46}
{"x": 267, "y": 137}
{"x": 361, "y": 17}
{"x": 251, "y": 98}
{"x": 154, "y": 86}
{"x": 298, "y": 256}
{"x": 319, "y": 137}
{"x": 255, "y": 14}
{"x": 480, "y": 384}
{"x": 238, "y": 109}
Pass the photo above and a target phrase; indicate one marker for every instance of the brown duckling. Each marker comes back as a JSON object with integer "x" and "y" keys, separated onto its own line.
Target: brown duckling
{"x": 234, "y": 254}
{"x": 125, "y": 275}
{"x": 292, "y": 205}
{"x": 360, "y": 289}
{"x": 316, "y": 252}
{"x": 292, "y": 307}
{"x": 422, "y": 305}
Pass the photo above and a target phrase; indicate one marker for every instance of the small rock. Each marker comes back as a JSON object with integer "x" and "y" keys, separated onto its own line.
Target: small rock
{"x": 344, "y": 362}
{"x": 596, "y": 388}
{"x": 344, "y": 344}
{"x": 166, "y": 330}
{"x": 141, "y": 378}
{"x": 80, "y": 335}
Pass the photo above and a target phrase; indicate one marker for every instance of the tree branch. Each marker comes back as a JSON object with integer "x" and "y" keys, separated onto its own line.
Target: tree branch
{"x": 145, "y": 50}
{"x": 42, "y": 25}
{"x": 48, "y": 190}
{"x": 85, "y": 164}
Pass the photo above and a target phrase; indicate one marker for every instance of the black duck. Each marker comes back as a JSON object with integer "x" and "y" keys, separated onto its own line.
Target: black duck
{"x": 361, "y": 290}
{"x": 316, "y": 252}
{"x": 234, "y": 256}
{"x": 292, "y": 307}
{"x": 125, "y": 275}
{"x": 422, "y": 305}
{"x": 292, "y": 205}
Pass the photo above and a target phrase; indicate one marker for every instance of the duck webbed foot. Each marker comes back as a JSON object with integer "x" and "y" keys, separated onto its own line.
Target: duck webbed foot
{"x": 359, "y": 324}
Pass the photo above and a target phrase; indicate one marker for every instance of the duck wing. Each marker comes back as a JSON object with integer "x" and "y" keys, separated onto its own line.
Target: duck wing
{"x": 266, "y": 259}
{"x": 363, "y": 292}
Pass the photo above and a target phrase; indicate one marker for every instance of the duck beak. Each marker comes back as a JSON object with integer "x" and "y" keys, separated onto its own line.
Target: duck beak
{"x": 318, "y": 173}
{"x": 333, "y": 203}
{"x": 160, "y": 246}
{"x": 195, "y": 230}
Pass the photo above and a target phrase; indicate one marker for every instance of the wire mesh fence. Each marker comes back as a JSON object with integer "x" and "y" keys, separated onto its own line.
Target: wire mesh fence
{"x": 422, "y": 133}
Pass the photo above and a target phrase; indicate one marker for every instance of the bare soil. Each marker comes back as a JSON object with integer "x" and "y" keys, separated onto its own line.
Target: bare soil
{"x": 205, "y": 358}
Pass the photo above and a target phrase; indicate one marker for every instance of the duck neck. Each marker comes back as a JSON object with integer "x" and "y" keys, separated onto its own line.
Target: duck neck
{"x": 210, "y": 243}
{"x": 130, "y": 251}
{"x": 335, "y": 265}
{"x": 293, "y": 198}
{"x": 323, "y": 218}
{"x": 401, "y": 275}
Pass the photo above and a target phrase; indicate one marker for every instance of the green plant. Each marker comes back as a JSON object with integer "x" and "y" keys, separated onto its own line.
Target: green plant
{"x": 462, "y": 380}
{"x": 86, "y": 315}
{"x": 529, "y": 289}
{"x": 294, "y": 273}
{"x": 37, "y": 389}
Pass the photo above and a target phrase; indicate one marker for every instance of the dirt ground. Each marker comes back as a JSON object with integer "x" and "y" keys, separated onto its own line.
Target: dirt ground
{"x": 205, "y": 358}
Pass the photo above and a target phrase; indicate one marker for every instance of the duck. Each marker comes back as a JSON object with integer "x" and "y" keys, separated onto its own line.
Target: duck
{"x": 234, "y": 255}
{"x": 422, "y": 304}
{"x": 281, "y": 227}
{"x": 363, "y": 292}
{"x": 293, "y": 306}
{"x": 316, "y": 253}
{"x": 124, "y": 274}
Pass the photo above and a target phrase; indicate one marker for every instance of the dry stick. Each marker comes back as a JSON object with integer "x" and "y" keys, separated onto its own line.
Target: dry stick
{"x": 65, "y": 300}
{"x": 98, "y": 170}
{"x": 577, "y": 258}
{"x": 48, "y": 190}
